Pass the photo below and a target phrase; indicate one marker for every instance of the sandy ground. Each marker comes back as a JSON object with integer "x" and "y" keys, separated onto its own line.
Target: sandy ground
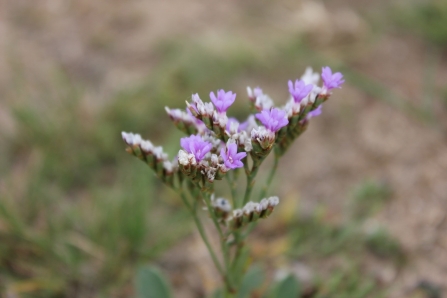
{"x": 108, "y": 45}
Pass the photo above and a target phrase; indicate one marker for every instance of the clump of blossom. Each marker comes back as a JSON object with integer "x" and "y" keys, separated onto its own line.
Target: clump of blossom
{"x": 218, "y": 146}
{"x": 252, "y": 211}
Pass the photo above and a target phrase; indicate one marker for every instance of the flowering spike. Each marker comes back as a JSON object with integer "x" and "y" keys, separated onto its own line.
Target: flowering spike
{"x": 131, "y": 139}
{"x": 252, "y": 212}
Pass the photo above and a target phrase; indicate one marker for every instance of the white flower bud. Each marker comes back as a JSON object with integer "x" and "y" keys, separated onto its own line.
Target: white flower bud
{"x": 168, "y": 166}
{"x": 222, "y": 204}
{"x": 185, "y": 159}
{"x": 310, "y": 77}
{"x": 214, "y": 160}
{"x": 248, "y": 208}
{"x": 237, "y": 213}
{"x": 146, "y": 146}
{"x": 264, "y": 204}
{"x": 131, "y": 139}
{"x": 250, "y": 92}
{"x": 263, "y": 102}
{"x": 273, "y": 201}
{"x": 159, "y": 154}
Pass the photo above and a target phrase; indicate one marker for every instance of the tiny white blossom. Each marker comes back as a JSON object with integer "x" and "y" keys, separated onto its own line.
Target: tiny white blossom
{"x": 185, "y": 159}
{"x": 310, "y": 77}
{"x": 222, "y": 204}
{"x": 167, "y": 165}
{"x": 131, "y": 139}
{"x": 273, "y": 201}
{"x": 146, "y": 146}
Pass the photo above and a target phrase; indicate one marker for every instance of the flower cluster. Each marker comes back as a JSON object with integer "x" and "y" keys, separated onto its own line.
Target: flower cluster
{"x": 252, "y": 211}
{"x": 217, "y": 146}
{"x": 152, "y": 155}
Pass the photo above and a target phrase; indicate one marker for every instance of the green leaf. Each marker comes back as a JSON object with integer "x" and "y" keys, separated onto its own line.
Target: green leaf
{"x": 151, "y": 283}
{"x": 288, "y": 288}
{"x": 252, "y": 280}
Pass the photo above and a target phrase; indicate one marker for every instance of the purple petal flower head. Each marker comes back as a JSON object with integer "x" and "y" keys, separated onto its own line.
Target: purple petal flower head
{"x": 196, "y": 145}
{"x": 331, "y": 81}
{"x": 223, "y": 100}
{"x": 314, "y": 113}
{"x": 273, "y": 119}
{"x": 300, "y": 90}
{"x": 231, "y": 158}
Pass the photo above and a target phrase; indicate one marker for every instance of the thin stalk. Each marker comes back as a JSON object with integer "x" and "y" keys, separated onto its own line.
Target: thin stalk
{"x": 223, "y": 238}
{"x": 250, "y": 183}
{"x": 270, "y": 177}
{"x": 193, "y": 211}
{"x": 232, "y": 184}
{"x": 213, "y": 216}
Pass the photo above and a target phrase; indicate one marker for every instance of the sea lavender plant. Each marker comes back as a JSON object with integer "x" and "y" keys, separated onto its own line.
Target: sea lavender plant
{"x": 219, "y": 147}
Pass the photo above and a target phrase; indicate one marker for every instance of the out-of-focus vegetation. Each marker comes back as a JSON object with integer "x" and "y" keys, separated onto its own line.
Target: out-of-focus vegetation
{"x": 78, "y": 215}
{"x": 427, "y": 18}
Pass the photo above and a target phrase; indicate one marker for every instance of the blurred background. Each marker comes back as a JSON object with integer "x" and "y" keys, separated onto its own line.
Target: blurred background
{"x": 364, "y": 190}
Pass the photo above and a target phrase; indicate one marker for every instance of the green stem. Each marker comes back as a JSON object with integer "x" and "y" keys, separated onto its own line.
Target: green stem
{"x": 207, "y": 200}
{"x": 270, "y": 177}
{"x": 193, "y": 211}
{"x": 223, "y": 238}
{"x": 250, "y": 182}
{"x": 232, "y": 184}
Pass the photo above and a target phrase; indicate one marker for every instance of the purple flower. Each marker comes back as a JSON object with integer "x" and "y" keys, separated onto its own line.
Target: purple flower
{"x": 196, "y": 145}
{"x": 223, "y": 100}
{"x": 231, "y": 158}
{"x": 314, "y": 113}
{"x": 273, "y": 119}
{"x": 331, "y": 81}
{"x": 300, "y": 90}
